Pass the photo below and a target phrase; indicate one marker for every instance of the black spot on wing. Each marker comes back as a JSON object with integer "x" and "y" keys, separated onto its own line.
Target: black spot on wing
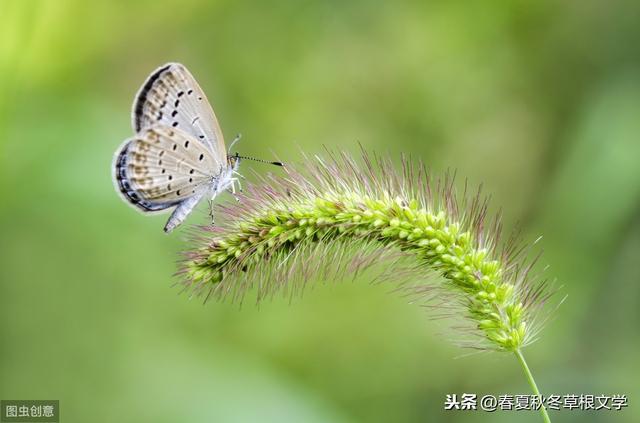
{"x": 122, "y": 179}
{"x": 142, "y": 96}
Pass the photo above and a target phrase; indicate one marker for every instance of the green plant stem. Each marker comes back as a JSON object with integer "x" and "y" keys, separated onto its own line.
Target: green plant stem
{"x": 532, "y": 383}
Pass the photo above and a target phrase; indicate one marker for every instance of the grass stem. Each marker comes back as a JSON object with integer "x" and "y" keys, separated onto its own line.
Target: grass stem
{"x": 532, "y": 383}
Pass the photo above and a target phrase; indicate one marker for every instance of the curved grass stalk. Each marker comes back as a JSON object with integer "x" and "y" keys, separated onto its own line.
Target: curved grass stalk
{"x": 339, "y": 217}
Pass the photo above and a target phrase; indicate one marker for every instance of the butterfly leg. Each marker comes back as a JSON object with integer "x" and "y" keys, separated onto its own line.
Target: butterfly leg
{"x": 211, "y": 210}
{"x": 237, "y": 180}
{"x": 232, "y": 188}
{"x": 230, "y": 191}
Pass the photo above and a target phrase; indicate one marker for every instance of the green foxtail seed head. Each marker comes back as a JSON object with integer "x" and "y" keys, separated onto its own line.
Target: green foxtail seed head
{"x": 339, "y": 217}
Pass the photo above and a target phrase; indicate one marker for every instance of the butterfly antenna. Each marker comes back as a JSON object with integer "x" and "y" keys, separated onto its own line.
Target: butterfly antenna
{"x": 259, "y": 160}
{"x": 234, "y": 141}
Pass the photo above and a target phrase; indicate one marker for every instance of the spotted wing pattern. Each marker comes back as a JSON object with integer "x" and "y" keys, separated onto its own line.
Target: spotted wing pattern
{"x": 171, "y": 96}
{"x": 162, "y": 167}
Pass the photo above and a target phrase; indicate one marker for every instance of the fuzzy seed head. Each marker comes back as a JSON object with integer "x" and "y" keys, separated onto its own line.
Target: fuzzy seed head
{"x": 339, "y": 217}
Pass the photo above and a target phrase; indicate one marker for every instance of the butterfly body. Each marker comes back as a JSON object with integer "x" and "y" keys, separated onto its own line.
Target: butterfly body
{"x": 177, "y": 156}
{"x": 216, "y": 184}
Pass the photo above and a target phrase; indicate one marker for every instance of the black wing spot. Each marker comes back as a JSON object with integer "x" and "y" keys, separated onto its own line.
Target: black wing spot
{"x": 161, "y": 153}
{"x": 174, "y": 147}
{"x": 174, "y": 113}
{"x": 163, "y": 171}
{"x": 186, "y": 144}
{"x": 164, "y": 103}
{"x": 159, "y": 115}
{"x": 170, "y": 177}
{"x": 201, "y": 137}
{"x": 190, "y": 180}
{"x": 190, "y": 92}
{"x": 191, "y": 171}
{"x": 174, "y": 124}
{"x": 201, "y": 157}
{"x": 178, "y": 192}
{"x": 199, "y": 98}
{"x": 180, "y": 93}
{"x": 159, "y": 162}
{"x": 177, "y": 102}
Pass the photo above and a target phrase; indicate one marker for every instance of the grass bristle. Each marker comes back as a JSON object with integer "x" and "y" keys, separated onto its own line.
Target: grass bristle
{"x": 335, "y": 217}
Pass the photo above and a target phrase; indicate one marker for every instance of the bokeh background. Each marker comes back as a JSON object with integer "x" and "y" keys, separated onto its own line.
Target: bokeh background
{"x": 539, "y": 101}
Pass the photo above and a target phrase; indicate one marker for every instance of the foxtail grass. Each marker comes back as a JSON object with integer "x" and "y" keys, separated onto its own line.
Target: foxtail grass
{"x": 329, "y": 218}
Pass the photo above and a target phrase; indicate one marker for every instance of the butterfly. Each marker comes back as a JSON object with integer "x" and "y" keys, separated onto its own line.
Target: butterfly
{"x": 177, "y": 156}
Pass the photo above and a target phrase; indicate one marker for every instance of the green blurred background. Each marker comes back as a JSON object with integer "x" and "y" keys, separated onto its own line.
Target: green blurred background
{"x": 539, "y": 101}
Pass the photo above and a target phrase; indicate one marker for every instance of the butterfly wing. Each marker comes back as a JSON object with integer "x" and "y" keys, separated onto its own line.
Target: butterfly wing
{"x": 171, "y": 96}
{"x": 163, "y": 167}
